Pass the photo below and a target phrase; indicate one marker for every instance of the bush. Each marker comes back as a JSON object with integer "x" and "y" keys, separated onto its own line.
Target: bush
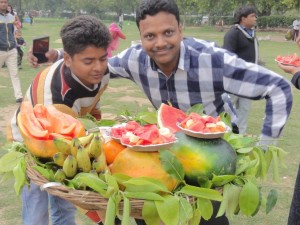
{"x": 275, "y": 21}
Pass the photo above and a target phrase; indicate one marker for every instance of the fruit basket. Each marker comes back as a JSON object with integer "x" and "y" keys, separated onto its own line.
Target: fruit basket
{"x": 87, "y": 200}
{"x": 163, "y": 183}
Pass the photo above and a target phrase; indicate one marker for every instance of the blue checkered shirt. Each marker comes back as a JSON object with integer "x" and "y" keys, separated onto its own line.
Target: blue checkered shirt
{"x": 204, "y": 75}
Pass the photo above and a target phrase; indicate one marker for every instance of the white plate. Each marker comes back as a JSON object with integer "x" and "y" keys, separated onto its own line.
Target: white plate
{"x": 149, "y": 148}
{"x": 203, "y": 135}
{"x": 285, "y": 64}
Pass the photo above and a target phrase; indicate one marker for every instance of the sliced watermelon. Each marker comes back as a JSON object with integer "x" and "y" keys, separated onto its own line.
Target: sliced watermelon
{"x": 168, "y": 117}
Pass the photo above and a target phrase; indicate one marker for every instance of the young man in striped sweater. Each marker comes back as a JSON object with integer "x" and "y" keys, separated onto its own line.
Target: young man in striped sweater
{"x": 74, "y": 85}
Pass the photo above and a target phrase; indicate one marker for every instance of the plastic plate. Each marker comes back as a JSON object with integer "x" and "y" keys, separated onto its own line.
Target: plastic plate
{"x": 149, "y": 148}
{"x": 203, "y": 135}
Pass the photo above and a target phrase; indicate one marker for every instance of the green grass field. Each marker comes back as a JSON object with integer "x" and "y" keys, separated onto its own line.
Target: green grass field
{"x": 113, "y": 102}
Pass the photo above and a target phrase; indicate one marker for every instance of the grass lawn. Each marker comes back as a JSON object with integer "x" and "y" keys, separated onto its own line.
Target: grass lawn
{"x": 122, "y": 94}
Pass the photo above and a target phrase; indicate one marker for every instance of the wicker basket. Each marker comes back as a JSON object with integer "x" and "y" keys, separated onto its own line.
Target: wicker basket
{"x": 87, "y": 200}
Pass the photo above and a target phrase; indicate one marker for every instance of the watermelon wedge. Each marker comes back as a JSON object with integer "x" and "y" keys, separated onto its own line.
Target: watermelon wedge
{"x": 168, "y": 117}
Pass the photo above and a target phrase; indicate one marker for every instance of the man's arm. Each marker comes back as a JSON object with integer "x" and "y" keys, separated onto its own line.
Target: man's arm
{"x": 252, "y": 81}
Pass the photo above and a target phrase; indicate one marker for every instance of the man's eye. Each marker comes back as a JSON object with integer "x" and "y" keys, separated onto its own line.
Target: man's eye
{"x": 149, "y": 36}
{"x": 169, "y": 33}
{"x": 89, "y": 62}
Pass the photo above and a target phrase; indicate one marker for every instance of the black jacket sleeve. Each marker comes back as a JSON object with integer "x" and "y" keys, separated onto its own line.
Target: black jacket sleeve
{"x": 296, "y": 80}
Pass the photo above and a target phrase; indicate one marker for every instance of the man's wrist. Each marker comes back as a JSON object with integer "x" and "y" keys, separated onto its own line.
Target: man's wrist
{"x": 59, "y": 54}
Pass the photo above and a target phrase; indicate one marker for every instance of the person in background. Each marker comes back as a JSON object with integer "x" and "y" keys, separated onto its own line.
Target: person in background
{"x": 74, "y": 84}
{"x": 31, "y": 19}
{"x": 241, "y": 40}
{"x": 294, "y": 213}
{"x": 20, "y": 46}
{"x": 296, "y": 27}
{"x": 116, "y": 34}
{"x": 8, "y": 51}
{"x": 17, "y": 22}
{"x": 121, "y": 20}
{"x": 186, "y": 71}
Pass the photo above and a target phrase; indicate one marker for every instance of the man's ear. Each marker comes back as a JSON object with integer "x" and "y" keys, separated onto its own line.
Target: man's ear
{"x": 180, "y": 31}
{"x": 67, "y": 59}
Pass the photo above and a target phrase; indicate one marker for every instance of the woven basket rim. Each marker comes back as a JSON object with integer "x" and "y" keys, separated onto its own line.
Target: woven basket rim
{"x": 85, "y": 199}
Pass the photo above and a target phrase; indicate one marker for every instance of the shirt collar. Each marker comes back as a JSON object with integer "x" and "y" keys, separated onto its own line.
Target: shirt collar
{"x": 249, "y": 31}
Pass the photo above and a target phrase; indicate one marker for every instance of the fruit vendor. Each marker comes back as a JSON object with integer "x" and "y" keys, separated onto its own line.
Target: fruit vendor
{"x": 294, "y": 215}
{"x": 74, "y": 85}
{"x": 186, "y": 71}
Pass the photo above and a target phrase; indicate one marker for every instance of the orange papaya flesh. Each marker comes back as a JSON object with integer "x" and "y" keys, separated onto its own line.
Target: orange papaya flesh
{"x": 38, "y": 132}
{"x": 63, "y": 123}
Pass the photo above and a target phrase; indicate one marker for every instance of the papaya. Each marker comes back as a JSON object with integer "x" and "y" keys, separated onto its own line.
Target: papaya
{"x": 201, "y": 158}
{"x": 142, "y": 164}
{"x": 38, "y": 132}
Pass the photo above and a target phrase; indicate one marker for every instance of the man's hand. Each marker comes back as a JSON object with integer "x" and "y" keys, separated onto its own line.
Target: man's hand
{"x": 51, "y": 55}
{"x": 289, "y": 69}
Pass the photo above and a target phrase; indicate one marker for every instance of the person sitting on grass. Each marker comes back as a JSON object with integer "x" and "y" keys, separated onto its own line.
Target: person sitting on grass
{"x": 73, "y": 84}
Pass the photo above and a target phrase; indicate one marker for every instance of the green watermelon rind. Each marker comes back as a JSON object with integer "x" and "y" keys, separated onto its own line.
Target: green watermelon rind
{"x": 219, "y": 156}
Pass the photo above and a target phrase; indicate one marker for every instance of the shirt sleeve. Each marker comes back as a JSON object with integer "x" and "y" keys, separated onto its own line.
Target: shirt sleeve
{"x": 296, "y": 80}
{"x": 254, "y": 82}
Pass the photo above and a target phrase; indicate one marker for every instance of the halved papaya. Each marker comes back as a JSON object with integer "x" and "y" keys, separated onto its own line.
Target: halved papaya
{"x": 38, "y": 129}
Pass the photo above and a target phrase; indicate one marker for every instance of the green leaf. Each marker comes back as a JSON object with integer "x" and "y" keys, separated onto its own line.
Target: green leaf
{"x": 225, "y": 117}
{"x": 150, "y": 214}
{"x": 88, "y": 123}
{"x": 263, "y": 170}
{"x": 144, "y": 184}
{"x": 106, "y": 123}
{"x": 185, "y": 210}
{"x": 245, "y": 166}
{"x": 168, "y": 209}
{"x": 90, "y": 180}
{"x": 244, "y": 150}
{"x": 20, "y": 176}
{"x": 144, "y": 195}
{"x": 47, "y": 173}
{"x": 126, "y": 212}
{"x": 112, "y": 182}
{"x": 196, "y": 217}
{"x": 205, "y": 207}
{"x": 110, "y": 211}
{"x": 249, "y": 199}
{"x": 230, "y": 201}
{"x": 275, "y": 165}
{"x": 201, "y": 192}
{"x": 9, "y": 161}
{"x": 171, "y": 165}
{"x": 221, "y": 180}
{"x": 147, "y": 117}
{"x": 238, "y": 141}
{"x": 197, "y": 108}
{"x": 271, "y": 200}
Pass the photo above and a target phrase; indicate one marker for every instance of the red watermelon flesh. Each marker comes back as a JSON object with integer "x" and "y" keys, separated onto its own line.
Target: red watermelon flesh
{"x": 168, "y": 117}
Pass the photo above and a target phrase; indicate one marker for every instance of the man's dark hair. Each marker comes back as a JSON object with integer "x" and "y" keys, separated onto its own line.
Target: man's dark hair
{"x": 243, "y": 12}
{"x": 83, "y": 31}
{"x": 152, "y": 7}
